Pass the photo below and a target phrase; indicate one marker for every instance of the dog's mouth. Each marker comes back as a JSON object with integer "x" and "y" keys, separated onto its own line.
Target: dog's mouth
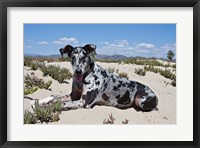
{"x": 79, "y": 77}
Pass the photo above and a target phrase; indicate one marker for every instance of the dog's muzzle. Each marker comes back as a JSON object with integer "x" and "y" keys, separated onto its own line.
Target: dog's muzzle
{"x": 78, "y": 75}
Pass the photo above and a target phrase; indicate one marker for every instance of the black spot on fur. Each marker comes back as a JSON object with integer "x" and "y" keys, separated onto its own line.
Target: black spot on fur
{"x": 113, "y": 79}
{"x": 104, "y": 74}
{"x": 131, "y": 84}
{"x": 95, "y": 77}
{"x": 119, "y": 85}
{"x": 105, "y": 86}
{"x": 117, "y": 97}
{"x": 86, "y": 83}
{"x": 93, "y": 71}
{"x": 83, "y": 97}
{"x": 123, "y": 84}
{"x": 139, "y": 85}
{"x": 105, "y": 97}
{"x": 90, "y": 96}
{"x": 97, "y": 83}
{"x": 120, "y": 82}
{"x": 125, "y": 98}
{"x": 115, "y": 88}
{"x": 140, "y": 90}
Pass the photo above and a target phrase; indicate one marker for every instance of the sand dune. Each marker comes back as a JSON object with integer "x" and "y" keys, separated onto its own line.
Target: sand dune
{"x": 165, "y": 92}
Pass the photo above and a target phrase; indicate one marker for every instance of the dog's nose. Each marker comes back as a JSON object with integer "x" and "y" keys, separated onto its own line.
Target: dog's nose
{"x": 78, "y": 71}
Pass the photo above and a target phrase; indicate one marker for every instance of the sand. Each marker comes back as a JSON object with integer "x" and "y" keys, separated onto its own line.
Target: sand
{"x": 159, "y": 84}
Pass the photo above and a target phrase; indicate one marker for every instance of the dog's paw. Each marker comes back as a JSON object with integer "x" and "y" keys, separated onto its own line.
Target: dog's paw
{"x": 46, "y": 100}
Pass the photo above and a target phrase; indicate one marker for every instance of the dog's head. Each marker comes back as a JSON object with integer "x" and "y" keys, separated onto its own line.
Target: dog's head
{"x": 80, "y": 59}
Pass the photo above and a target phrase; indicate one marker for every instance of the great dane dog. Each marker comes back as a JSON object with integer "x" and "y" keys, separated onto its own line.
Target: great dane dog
{"x": 93, "y": 85}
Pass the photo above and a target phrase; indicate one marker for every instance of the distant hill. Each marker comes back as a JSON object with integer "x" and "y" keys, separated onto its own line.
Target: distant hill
{"x": 111, "y": 57}
{"x": 98, "y": 57}
{"x": 35, "y": 55}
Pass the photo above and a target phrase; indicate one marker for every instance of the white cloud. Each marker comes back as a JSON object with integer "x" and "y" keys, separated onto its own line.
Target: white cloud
{"x": 168, "y": 47}
{"x": 135, "y": 49}
{"x": 122, "y": 42}
{"x": 66, "y": 40}
{"x": 145, "y": 45}
{"x": 43, "y": 43}
{"x": 142, "y": 51}
{"x": 117, "y": 44}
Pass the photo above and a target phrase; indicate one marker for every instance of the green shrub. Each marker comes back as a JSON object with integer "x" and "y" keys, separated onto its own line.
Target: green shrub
{"x": 27, "y": 61}
{"x": 174, "y": 66}
{"x": 108, "y": 61}
{"x": 48, "y": 112}
{"x": 30, "y": 62}
{"x": 46, "y": 85}
{"x": 110, "y": 70}
{"x": 117, "y": 71}
{"x": 29, "y": 118}
{"x": 140, "y": 71}
{"x": 31, "y": 84}
{"x": 30, "y": 90}
{"x": 151, "y": 68}
{"x": 43, "y": 113}
{"x": 34, "y": 66}
{"x": 53, "y": 71}
{"x": 145, "y": 61}
{"x": 63, "y": 59}
{"x": 57, "y": 106}
{"x": 45, "y": 70}
{"x": 56, "y": 73}
{"x": 167, "y": 74}
{"x": 123, "y": 74}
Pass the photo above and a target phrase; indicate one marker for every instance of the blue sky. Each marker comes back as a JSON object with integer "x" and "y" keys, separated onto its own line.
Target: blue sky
{"x": 147, "y": 40}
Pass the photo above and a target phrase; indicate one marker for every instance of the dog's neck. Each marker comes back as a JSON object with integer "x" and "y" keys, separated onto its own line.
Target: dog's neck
{"x": 89, "y": 70}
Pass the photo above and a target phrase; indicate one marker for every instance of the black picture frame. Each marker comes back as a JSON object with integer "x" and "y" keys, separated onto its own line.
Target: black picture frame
{"x": 4, "y": 4}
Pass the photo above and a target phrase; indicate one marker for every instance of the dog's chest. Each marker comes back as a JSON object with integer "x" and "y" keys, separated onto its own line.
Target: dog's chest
{"x": 95, "y": 79}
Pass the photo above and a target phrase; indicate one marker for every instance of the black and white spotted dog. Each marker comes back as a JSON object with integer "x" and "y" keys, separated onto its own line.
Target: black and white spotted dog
{"x": 93, "y": 85}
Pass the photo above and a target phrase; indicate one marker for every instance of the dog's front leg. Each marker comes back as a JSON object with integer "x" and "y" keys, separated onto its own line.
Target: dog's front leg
{"x": 52, "y": 98}
{"x": 77, "y": 89}
{"x": 46, "y": 100}
{"x": 73, "y": 104}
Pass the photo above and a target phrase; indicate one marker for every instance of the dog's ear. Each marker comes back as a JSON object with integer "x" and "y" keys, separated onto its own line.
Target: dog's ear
{"x": 61, "y": 51}
{"x": 90, "y": 48}
{"x": 67, "y": 49}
